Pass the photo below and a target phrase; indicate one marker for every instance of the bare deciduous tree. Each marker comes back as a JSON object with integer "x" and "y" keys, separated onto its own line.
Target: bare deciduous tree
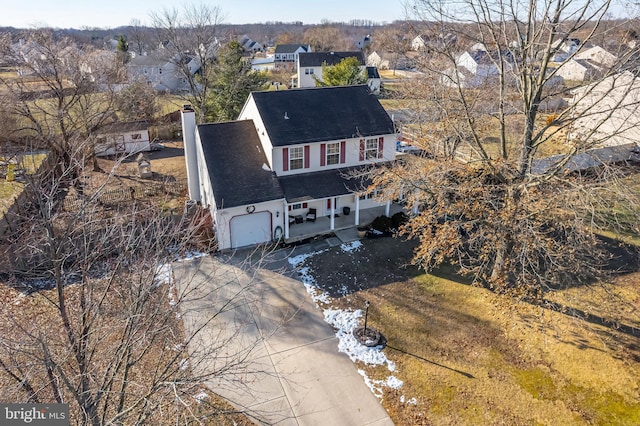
{"x": 94, "y": 319}
{"x": 63, "y": 93}
{"x": 486, "y": 199}
{"x": 191, "y": 33}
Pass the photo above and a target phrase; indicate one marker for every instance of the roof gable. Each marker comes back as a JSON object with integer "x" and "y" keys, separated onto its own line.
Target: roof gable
{"x": 321, "y": 114}
{"x": 235, "y": 162}
{"x": 316, "y": 59}
{"x": 290, "y": 48}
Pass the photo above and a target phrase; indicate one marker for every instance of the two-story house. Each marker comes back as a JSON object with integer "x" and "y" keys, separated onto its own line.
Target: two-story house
{"x": 284, "y": 169}
{"x": 310, "y": 64}
{"x": 477, "y": 67}
{"x": 286, "y": 55}
{"x": 162, "y": 74}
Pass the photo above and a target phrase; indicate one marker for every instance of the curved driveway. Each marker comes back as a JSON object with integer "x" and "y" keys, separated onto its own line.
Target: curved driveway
{"x": 291, "y": 371}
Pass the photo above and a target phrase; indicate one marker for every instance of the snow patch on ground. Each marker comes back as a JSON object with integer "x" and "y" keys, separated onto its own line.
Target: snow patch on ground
{"x": 191, "y": 255}
{"x": 298, "y": 260}
{"x": 352, "y": 246}
{"x": 344, "y": 322}
{"x": 201, "y": 396}
{"x": 164, "y": 275}
{"x": 377, "y": 385}
{"x": 411, "y": 401}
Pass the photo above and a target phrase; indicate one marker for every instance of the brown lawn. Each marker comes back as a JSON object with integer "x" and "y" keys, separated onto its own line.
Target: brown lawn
{"x": 470, "y": 357}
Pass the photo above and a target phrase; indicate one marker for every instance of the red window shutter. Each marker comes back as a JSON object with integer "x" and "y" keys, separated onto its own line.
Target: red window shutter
{"x": 343, "y": 152}
{"x": 361, "y": 149}
{"x": 289, "y": 208}
{"x": 380, "y": 147}
{"x": 306, "y": 156}
{"x": 323, "y": 154}
{"x": 304, "y": 205}
{"x": 285, "y": 159}
{"x": 328, "y": 203}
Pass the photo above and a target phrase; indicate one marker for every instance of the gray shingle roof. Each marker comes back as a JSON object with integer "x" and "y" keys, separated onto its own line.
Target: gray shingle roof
{"x": 316, "y": 59}
{"x": 289, "y": 48}
{"x": 123, "y": 127}
{"x": 321, "y": 114}
{"x": 589, "y": 159}
{"x": 323, "y": 184}
{"x": 235, "y": 160}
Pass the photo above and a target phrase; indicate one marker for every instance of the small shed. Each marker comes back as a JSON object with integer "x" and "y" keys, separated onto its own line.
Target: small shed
{"x": 122, "y": 138}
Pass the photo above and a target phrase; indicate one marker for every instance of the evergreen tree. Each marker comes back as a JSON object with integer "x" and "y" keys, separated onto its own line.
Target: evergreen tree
{"x": 345, "y": 73}
{"x": 122, "y": 49}
{"x": 233, "y": 80}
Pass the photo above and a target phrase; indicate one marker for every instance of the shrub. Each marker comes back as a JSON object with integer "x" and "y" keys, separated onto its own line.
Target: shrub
{"x": 382, "y": 223}
{"x": 399, "y": 219}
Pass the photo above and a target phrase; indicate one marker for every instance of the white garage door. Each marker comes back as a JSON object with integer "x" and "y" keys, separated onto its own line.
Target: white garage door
{"x": 250, "y": 229}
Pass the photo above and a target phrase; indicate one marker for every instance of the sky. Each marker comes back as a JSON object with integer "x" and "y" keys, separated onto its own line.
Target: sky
{"x": 114, "y": 13}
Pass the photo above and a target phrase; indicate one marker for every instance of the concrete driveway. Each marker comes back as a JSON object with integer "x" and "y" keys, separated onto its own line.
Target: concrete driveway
{"x": 268, "y": 347}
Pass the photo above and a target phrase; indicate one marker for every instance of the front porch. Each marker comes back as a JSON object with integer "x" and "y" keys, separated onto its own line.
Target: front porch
{"x": 322, "y": 225}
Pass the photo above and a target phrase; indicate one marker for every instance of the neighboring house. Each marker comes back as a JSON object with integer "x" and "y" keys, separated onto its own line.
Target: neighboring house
{"x": 475, "y": 68}
{"x": 163, "y": 75}
{"x": 479, "y": 63}
{"x": 288, "y": 155}
{"x": 373, "y": 80}
{"x": 249, "y": 45}
{"x": 610, "y": 111}
{"x": 362, "y": 43}
{"x": 578, "y": 70}
{"x": 122, "y": 138}
{"x": 263, "y": 64}
{"x": 590, "y": 159}
{"x": 597, "y": 55}
{"x": 478, "y": 47}
{"x": 95, "y": 64}
{"x": 565, "y": 48}
{"x": 310, "y": 65}
{"x": 419, "y": 42}
{"x": 286, "y": 55}
{"x": 375, "y": 59}
{"x": 460, "y": 77}
{"x": 389, "y": 60}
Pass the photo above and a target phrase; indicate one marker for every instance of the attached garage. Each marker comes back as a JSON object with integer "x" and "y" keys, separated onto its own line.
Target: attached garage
{"x": 250, "y": 229}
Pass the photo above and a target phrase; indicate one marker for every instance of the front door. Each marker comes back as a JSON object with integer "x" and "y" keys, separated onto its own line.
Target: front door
{"x": 336, "y": 201}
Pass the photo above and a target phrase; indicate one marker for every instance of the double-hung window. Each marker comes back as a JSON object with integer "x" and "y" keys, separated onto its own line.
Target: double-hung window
{"x": 333, "y": 153}
{"x": 296, "y": 158}
{"x": 371, "y": 149}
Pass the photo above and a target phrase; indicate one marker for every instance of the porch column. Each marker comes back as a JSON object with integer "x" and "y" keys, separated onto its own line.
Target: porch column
{"x": 333, "y": 213}
{"x": 415, "y": 208}
{"x": 357, "y": 209}
{"x": 286, "y": 221}
{"x": 387, "y": 208}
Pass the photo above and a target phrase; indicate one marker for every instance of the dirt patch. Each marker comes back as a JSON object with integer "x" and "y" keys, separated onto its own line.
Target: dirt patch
{"x": 380, "y": 261}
